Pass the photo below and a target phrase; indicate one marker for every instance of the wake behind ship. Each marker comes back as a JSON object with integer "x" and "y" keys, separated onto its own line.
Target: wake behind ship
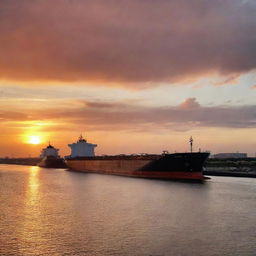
{"x": 182, "y": 166}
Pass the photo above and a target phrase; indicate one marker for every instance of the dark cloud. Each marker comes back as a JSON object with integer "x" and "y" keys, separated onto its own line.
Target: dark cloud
{"x": 188, "y": 114}
{"x": 125, "y": 41}
{"x": 118, "y": 116}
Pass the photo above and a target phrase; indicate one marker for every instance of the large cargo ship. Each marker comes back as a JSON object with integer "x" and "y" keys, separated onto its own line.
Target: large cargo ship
{"x": 182, "y": 166}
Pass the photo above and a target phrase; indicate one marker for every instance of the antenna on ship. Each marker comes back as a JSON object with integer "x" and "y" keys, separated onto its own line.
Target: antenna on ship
{"x": 191, "y": 144}
{"x": 81, "y": 138}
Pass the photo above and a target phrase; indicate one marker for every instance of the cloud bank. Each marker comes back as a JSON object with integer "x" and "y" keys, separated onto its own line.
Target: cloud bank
{"x": 120, "y": 41}
{"x": 117, "y": 116}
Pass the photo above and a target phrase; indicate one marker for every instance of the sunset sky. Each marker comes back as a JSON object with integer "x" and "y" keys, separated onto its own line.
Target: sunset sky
{"x": 131, "y": 76}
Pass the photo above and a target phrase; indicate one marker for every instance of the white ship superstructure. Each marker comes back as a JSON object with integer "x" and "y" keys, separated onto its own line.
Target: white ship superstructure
{"x": 49, "y": 151}
{"x": 82, "y": 148}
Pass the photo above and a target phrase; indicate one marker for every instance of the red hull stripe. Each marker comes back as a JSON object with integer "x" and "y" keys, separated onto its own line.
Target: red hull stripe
{"x": 171, "y": 175}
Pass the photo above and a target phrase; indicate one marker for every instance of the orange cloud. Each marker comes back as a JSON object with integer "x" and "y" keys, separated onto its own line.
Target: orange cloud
{"x": 125, "y": 41}
{"x": 190, "y": 103}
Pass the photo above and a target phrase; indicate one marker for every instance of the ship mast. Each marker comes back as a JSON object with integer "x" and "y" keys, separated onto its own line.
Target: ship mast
{"x": 191, "y": 144}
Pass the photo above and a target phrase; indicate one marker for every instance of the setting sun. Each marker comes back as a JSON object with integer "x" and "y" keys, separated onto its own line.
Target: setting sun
{"x": 34, "y": 140}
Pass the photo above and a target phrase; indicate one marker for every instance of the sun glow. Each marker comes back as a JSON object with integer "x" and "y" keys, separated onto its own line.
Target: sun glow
{"x": 34, "y": 140}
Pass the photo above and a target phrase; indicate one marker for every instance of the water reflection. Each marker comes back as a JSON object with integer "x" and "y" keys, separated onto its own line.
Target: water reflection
{"x": 33, "y": 185}
{"x": 53, "y": 212}
{"x": 32, "y": 218}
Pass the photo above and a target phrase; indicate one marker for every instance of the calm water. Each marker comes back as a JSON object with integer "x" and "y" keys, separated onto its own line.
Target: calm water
{"x": 56, "y": 212}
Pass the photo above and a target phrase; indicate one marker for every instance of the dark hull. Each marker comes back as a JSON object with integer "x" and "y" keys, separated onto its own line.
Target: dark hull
{"x": 52, "y": 162}
{"x": 184, "y": 166}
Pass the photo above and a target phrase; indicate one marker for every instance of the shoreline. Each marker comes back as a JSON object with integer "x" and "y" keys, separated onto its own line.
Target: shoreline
{"x": 33, "y": 161}
{"x": 251, "y": 174}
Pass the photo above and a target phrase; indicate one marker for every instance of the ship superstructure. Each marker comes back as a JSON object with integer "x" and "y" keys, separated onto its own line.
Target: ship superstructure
{"x": 49, "y": 151}
{"x": 82, "y": 148}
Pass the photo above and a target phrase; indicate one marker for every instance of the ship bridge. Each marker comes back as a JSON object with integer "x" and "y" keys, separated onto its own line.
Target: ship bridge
{"x": 82, "y": 148}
